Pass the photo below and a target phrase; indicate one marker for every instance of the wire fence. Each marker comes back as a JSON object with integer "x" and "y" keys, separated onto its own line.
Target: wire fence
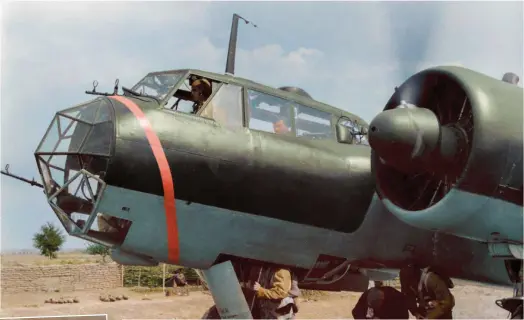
{"x": 161, "y": 277}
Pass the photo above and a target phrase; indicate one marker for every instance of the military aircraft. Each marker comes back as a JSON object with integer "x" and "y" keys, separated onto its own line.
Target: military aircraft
{"x": 220, "y": 173}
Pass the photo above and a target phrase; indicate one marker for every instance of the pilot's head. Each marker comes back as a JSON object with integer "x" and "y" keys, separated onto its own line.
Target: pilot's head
{"x": 200, "y": 90}
{"x": 280, "y": 127}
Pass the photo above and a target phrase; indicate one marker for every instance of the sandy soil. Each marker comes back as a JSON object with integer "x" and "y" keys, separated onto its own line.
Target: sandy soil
{"x": 473, "y": 301}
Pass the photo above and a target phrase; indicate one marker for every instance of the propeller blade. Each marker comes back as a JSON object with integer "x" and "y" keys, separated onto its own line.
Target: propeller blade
{"x": 412, "y": 37}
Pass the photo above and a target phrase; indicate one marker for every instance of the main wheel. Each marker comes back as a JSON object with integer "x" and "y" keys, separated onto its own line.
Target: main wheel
{"x": 211, "y": 313}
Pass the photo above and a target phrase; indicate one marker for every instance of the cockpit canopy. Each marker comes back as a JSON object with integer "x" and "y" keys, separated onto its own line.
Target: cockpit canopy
{"x": 158, "y": 85}
{"x": 235, "y": 102}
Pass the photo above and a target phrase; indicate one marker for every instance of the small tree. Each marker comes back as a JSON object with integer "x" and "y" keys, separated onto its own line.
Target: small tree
{"x": 49, "y": 240}
{"x": 95, "y": 248}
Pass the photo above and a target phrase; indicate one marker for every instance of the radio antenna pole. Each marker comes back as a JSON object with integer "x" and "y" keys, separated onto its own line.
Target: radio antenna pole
{"x": 231, "y": 52}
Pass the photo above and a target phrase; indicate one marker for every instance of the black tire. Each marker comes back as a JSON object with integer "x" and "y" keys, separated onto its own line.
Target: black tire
{"x": 211, "y": 313}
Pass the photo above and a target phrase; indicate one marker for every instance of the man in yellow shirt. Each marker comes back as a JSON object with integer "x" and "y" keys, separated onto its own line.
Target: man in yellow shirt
{"x": 276, "y": 294}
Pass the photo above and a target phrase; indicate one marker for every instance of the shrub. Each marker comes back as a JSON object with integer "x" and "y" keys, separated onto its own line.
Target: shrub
{"x": 98, "y": 249}
{"x": 49, "y": 240}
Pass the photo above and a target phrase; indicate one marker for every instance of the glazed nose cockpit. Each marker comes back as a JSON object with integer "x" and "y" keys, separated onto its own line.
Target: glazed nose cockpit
{"x": 73, "y": 158}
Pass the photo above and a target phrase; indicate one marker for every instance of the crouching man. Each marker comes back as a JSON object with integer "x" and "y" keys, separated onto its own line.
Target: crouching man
{"x": 381, "y": 302}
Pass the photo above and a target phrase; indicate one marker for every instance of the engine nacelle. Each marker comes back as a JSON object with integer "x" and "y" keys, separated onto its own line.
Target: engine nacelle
{"x": 447, "y": 154}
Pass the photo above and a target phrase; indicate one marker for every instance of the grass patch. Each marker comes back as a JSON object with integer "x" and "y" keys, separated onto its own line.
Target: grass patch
{"x": 151, "y": 277}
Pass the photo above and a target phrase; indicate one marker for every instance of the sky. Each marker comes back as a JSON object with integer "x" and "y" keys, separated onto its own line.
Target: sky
{"x": 348, "y": 54}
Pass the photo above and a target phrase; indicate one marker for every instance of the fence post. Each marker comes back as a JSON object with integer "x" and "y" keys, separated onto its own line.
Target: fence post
{"x": 164, "y": 278}
{"x": 139, "y": 275}
{"x": 122, "y": 270}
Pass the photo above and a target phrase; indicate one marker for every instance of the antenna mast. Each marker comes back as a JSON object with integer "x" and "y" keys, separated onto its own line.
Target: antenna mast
{"x": 231, "y": 52}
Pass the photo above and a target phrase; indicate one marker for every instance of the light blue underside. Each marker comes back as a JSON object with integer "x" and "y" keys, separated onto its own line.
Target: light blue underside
{"x": 205, "y": 232}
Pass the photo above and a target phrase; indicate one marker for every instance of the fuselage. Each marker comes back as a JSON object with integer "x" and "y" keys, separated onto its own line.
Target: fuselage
{"x": 260, "y": 196}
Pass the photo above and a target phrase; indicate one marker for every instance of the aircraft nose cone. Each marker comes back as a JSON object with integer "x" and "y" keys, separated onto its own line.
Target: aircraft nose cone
{"x": 402, "y": 134}
{"x": 78, "y": 138}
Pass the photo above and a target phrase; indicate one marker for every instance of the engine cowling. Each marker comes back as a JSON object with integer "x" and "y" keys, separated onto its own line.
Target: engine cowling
{"x": 447, "y": 153}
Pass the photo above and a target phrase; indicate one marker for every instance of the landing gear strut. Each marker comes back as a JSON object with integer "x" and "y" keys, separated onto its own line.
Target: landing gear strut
{"x": 223, "y": 283}
{"x": 514, "y": 304}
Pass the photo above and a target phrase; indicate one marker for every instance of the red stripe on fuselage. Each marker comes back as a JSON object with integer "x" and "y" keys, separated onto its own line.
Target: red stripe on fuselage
{"x": 167, "y": 179}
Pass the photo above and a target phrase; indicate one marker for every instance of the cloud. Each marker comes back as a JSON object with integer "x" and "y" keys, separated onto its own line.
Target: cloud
{"x": 272, "y": 65}
{"x": 489, "y": 39}
{"x": 107, "y": 16}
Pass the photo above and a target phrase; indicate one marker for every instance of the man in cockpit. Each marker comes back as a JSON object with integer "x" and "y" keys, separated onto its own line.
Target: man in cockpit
{"x": 280, "y": 127}
{"x": 200, "y": 91}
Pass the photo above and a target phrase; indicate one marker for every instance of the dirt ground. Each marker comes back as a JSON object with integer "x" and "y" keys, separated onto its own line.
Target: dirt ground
{"x": 473, "y": 301}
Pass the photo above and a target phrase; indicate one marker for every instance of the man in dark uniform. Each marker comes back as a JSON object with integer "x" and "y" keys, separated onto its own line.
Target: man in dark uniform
{"x": 381, "y": 302}
{"x": 427, "y": 292}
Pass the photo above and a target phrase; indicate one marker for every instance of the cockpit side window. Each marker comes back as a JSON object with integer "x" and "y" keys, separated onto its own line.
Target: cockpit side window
{"x": 312, "y": 123}
{"x": 356, "y": 129}
{"x": 192, "y": 94}
{"x": 269, "y": 113}
{"x": 225, "y": 107}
